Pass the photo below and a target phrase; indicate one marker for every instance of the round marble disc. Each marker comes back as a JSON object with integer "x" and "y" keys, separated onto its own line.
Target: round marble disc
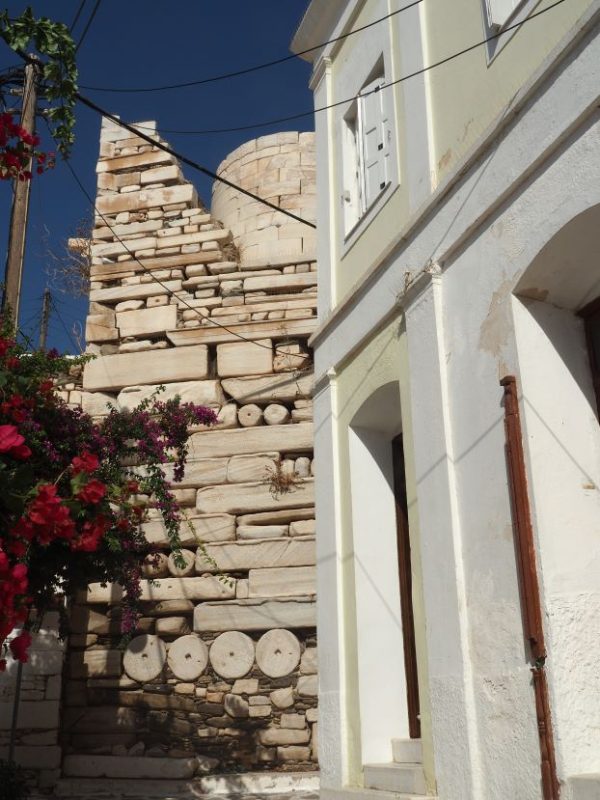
{"x": 232, "y": 654}
{"x": 278, "y": 653}
{"x": 188, "y": 657}
{"x": 145, "y": 658}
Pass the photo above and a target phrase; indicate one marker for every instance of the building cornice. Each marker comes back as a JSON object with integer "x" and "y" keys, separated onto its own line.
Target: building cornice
{"x": 319, "y": 20}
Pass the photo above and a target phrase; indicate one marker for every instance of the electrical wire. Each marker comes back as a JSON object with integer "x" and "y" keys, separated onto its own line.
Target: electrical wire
{"x": 254, "y": 68}
{"x": 168, "y": 291}
{"x": 89, "y": 23}
{"x": 62, "y": 323}
{"x": 77, "y": 15}
{"x": 185, "y": 160}
{"x": 416, "y": 73}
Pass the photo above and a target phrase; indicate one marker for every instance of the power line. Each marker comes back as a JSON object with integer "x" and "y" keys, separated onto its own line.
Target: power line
{"x": 168, "y": 291}
{"x": 421, "y": 71}
{"x": 63, "y": 325}
{"x": 247, "y": 70}
{"x": 77, "y": 15}
{"x": 89, "y": 23}
{"x": 194, "y": 164}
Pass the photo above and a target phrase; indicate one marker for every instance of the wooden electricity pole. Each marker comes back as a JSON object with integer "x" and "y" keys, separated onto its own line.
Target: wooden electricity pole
{"x": 13, "y": 275}
{"x": 45, "y": 318}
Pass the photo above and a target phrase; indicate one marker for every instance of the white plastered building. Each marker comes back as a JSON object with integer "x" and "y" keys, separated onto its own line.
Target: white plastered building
{"x": 458, "y": 532}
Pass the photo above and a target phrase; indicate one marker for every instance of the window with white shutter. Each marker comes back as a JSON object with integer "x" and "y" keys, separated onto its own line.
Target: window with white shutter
{"x": 366, "y": 150}
{"x": 374, "y": 141}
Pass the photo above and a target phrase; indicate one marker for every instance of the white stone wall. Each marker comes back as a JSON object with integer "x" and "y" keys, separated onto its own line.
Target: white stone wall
{"x": 37, "y": 736}
{"x": 279, "y": 168}
{"x": 222, "y": 674}
{"x": 475, "y": 312}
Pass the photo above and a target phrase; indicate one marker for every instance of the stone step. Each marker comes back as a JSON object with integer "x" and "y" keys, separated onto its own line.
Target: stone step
{"x": 115, "y": 789}
{"x": 407, "y": 751}
{"x": 251, "y": 783}
{"x": 585, "y": 787}
{"x": 352, "y": 793}
{"x": 407, "y": 778}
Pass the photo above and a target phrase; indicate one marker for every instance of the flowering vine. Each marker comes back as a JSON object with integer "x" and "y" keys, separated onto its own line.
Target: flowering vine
{"x": 53, "y": 41}
{"x": 19, "y": 152}
{"x": 73, "y": 493}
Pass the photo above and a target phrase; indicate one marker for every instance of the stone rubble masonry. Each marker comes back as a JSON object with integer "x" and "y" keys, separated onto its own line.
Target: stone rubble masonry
{"x": 217, "y": 308}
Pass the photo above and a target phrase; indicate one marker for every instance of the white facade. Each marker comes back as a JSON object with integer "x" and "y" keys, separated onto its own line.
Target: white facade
{"x": 461, "y": 271}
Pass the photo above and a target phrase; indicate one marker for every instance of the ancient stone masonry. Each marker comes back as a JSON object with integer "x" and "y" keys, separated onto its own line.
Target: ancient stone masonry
{"x": 222, "y": 674}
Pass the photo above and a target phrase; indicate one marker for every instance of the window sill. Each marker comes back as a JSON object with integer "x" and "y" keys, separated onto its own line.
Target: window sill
{"x": 370, "y": 214}
{"x": 503, "y": 37}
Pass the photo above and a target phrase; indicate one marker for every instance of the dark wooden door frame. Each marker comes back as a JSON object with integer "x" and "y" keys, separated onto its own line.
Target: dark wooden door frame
{"x": 529, "y": 588}
{"x": 405, "y": 575}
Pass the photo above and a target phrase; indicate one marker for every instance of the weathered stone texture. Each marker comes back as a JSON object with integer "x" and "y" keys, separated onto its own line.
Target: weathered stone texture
{"x": 219, "y": 311}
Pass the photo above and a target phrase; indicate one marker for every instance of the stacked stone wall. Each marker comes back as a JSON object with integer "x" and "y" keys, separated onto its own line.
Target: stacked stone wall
{"x": 221, "y": 676}
{"x": 280, "y": 168}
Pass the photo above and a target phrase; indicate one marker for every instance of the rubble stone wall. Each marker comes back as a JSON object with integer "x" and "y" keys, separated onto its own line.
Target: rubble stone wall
{"x": 281, "y": 169}
{"x": 222, "y": 674}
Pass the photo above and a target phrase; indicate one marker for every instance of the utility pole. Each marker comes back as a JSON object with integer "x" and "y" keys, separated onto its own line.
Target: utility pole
{"x": 45, "y": 318}
{"x": 13, "y": 275}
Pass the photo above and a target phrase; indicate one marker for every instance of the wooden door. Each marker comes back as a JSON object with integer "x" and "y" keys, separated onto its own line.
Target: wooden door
{"x": 406, "y": 605}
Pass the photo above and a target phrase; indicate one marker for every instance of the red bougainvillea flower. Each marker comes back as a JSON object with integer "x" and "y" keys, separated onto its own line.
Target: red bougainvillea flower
{"x": 47, "y": 519}
{"x": 92, "y": 492}
{"x": 19, "y": 578}
{"x": 20, "y": 645}
{"x": 21, "y": 452}
{"x": 9, "y": 438}
{"x": 92, "y": 533}
{"x": 86, "y": 462}
{"x": 5, "y": 345}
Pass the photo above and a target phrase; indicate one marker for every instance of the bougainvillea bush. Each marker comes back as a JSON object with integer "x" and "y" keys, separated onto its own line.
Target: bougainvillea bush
{"x": 70, "y": 507}
{"x": 19, "y": 151}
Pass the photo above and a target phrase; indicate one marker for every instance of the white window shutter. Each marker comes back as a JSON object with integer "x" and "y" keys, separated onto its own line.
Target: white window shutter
{"x": 373, "y": 142}
{"x": 499, "y": 11}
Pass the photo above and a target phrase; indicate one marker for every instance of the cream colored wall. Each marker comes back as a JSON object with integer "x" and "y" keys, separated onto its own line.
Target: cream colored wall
{"x": 351, "y": 64}
{"x": 467, "y": 94}
{"x": 382, "y": 360}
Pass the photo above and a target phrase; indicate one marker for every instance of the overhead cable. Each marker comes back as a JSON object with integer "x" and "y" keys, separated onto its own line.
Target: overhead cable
{"x": 77, "y": 15}
{"x": 247, "y": 70}
{"x": 88, "y": 26}
{"x": 416, "y": 73}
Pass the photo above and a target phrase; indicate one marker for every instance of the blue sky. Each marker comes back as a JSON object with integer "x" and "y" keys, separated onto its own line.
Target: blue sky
{"x": 138, "y": 43}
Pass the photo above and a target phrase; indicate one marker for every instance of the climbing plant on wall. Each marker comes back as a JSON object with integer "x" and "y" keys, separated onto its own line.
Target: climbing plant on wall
{"x": 72, "y": 495}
